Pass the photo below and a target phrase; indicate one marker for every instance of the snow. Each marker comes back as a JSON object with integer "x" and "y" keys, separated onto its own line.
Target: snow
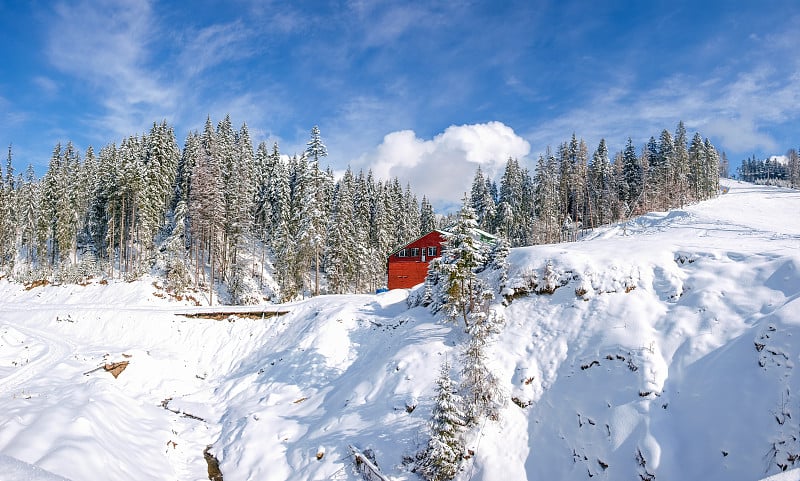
{"x": 667, "y": 348}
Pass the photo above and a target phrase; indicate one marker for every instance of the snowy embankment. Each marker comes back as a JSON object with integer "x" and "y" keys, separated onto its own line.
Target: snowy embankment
{"x": 665, "y": 352}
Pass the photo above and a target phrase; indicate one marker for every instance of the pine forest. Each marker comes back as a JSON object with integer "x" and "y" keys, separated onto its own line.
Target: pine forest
{"x": 237, "y": 224}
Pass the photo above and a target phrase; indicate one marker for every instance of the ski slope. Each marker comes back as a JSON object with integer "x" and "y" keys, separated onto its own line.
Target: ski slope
{"x": 665, "y": 352}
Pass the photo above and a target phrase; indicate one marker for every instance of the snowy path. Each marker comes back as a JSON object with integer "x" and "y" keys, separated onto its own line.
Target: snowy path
{"x": 49, "y": 350}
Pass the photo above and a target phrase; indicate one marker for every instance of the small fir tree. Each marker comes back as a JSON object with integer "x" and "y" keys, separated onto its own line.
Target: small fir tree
{"x": 461, "y": 256}
{"x": 481, "y": 388}
{"x": 441, "y": 459}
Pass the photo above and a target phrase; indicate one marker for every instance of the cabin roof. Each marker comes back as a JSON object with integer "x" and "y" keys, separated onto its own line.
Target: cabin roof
{"x": 477, "y": 234}
{"x": 399, "y": 248}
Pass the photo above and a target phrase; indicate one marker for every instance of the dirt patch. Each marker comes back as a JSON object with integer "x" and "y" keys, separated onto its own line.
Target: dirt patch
{"x": 116, "y": 368}
{"x": 35, "y": 284}
{"x": 214, "y": 474}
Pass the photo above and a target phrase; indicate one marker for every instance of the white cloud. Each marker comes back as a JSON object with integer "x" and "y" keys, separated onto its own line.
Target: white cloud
{"x": 736, "y": 113}
{"x": 213, "y": 45}
{"x": 105, "y": 45}
{"x": 442, "y": 168}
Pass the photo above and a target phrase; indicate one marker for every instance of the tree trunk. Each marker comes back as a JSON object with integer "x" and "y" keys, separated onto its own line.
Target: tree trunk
{"x": 211, "y": 277}
{"x": 121, "y": 233}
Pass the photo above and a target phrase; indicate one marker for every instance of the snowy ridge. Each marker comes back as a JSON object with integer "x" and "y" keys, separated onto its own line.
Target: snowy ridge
{"x": 664, "y": 351}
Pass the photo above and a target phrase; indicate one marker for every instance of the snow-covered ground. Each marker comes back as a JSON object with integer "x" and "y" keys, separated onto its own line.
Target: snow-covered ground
{"x": 666, "y": 352}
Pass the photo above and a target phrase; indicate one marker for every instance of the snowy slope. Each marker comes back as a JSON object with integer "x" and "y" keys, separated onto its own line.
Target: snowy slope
{"x": 677, "y": 358}
{"x": 666, "y": 351}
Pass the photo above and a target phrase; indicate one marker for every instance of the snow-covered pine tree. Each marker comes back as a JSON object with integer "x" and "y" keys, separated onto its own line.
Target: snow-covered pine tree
{"x": 261, "y": 177}
{"x": 665, "y": 170}
{"x": 517, "y": 190}
{"x": 442, "y": 458}
{"x": 240, "y": 186}
{"x": 546, "y": 199}
{"x": 366, "y": 271}
{"x": 651, "y": 164}
{"x": 28, "y": 206}
{"x": 483, "y": 202}
{"x": 103, "y": 209}
{"x": 711, "y": 170}
{"x": 482, "y": 391}
{"x": 461, "y": 256}
{"x": 340, "y": 252}
{"x": 314, "y": 207}
{"x": 8, "y": 217}
{"x": 632, "y": 177}
{"x": 498, "y": 259}
{"x": 680, "y": 171}
{"x": 178, "y": 275}
{"x": 696, "y": 172}
{"x": 602, "y": 188}
{"x": 794, "y": 167}
{"x": 427, "y": 219}
{"x": 382, "y": 234}
{"x": 129, "y": 193}
{"x": 206, "y": 207}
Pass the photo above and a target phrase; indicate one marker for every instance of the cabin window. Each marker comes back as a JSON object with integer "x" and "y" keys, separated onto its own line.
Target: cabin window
{"x": 415, "y": 252}
{"x": 403, "y": 253}
{"x": 431, "y": 251}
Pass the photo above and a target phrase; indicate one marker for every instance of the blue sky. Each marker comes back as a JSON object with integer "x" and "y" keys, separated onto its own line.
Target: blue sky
{"x": 422, "y": 90}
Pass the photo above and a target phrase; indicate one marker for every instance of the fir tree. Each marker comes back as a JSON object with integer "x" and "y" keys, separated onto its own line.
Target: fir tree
{"x": 663, "y": 171}
{"x": 680, "y": 170}
{"x": 546, "y": 197}
{"x": 461, "y": 256}
{"x": 632, "y": 181}
{"x": 441, "y": 460}
{"x": 313, "y": 214}
{"x": 483, "y": 202}
{"x": 602, "y": 185}
{"x": 427, "y": 219}
{"x": 482, "y": 391}
{"x": 341, "y": 252}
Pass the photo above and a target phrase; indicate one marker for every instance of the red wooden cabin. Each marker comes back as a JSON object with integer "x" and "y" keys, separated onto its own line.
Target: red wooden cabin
{"x": 408, "y": 265}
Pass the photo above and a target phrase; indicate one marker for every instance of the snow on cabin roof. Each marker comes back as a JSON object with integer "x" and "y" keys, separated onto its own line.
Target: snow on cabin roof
{"x": 477, "y": 234}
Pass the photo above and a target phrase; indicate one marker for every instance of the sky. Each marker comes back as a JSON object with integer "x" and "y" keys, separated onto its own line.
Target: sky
{"x": 425, "y": 91}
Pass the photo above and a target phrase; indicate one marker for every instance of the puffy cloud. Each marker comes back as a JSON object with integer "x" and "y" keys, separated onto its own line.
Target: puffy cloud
{"x": 442, "y": 168}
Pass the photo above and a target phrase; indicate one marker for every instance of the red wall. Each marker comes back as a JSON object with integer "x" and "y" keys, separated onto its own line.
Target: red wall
{"x": 405, "y": 272}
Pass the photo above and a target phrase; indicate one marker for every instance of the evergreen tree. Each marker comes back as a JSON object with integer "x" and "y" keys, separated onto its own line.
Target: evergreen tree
{"x": 665, "y": 167}
{"x": 794, "y": 167}
{"x": 342, "y": 252}
{"x": 441, "y": 460}
{"x": 8, "y": 216}
{"x": 546, "y": 195}
{"x": 697, "y": 168}
{"x": 517, "y": 191}
{"x": 313, "y": 216}
{"x": 602, "y": 185}
{"x": 427, "y": 218}
{"x": 651, "y": 164}
{"x": 482, "y": 391}
{"x": 710, "y": 171}
{"x": 680, "y": 171}
{"x": 483, "y": 202}
{"x": 461, "y": 256}
{"x": 29, "y": 209}
{"x": 178, "y": 275}
{"x": 632, "y": 181}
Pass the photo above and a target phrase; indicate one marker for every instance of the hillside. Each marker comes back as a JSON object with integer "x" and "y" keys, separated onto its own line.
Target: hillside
{"x": 664, "y": 352}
